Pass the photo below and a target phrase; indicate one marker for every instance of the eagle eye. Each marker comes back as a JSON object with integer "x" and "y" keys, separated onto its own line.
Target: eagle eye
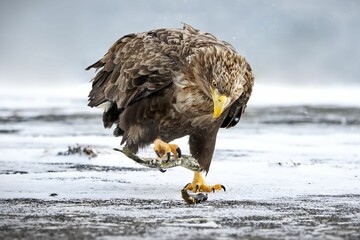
{"x": 214, "y": 83}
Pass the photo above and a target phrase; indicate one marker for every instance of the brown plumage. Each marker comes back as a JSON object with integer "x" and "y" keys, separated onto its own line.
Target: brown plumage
{"x": 161, "y": 84}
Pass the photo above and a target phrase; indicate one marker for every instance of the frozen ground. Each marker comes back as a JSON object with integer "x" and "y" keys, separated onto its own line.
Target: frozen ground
{"x": 290, "y": 171}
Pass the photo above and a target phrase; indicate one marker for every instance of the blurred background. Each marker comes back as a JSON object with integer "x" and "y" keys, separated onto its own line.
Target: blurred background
{"x": 290, "y": 44}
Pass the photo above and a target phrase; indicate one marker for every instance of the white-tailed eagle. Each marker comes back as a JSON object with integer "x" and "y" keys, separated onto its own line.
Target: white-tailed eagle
{"x": 164, "y": 84}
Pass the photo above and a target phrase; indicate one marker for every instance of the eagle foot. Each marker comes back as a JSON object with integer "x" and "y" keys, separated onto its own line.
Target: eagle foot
{"x": 164, "y": 150}
{"x": 199, "y": 185}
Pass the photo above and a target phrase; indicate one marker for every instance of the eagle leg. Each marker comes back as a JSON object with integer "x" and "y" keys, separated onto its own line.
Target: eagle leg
{"x": 164, "y": 149}
{"x": 199, "y": 185}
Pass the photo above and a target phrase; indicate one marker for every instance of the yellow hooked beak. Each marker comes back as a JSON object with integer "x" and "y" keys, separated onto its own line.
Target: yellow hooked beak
{"x": 219, "y": 102}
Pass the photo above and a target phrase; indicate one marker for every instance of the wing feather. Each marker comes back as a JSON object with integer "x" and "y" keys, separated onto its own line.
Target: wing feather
{"x": 132, "y": 68}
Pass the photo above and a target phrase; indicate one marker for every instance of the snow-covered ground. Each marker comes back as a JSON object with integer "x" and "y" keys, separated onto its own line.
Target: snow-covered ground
{"x": 280, "y": 155}
{"x": 253, "y": 160}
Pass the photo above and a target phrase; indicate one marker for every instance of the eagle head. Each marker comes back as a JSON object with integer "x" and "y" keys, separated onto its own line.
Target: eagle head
{"x": 222, "y": 73}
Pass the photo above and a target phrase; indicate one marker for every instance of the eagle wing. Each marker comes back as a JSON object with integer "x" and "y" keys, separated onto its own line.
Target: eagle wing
{"x": 137, "y": 65}
{"x": 133, "y": 68}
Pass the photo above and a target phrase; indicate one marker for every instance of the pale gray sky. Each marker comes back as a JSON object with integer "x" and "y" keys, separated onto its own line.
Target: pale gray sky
{"x": 286, "y": 42}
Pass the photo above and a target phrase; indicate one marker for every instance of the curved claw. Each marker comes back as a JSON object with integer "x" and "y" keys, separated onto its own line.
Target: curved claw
{"x": 222, "y": 186}
{"x": 162, "y": 170}
{"x": 168, "y": 156}
{"x": 178, "y": 150}
{"x": 157, "y": 153}
{"x": 197, "y": 187}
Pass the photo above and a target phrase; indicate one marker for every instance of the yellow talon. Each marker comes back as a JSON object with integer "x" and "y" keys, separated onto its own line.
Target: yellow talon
{"x": 199, "y": 185}
{"x": 164, "y": 149}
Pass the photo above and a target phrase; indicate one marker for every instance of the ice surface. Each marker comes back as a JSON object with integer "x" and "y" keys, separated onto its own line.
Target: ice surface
{"x": 286, "y": 154}
{"x": 275, "y": 151}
